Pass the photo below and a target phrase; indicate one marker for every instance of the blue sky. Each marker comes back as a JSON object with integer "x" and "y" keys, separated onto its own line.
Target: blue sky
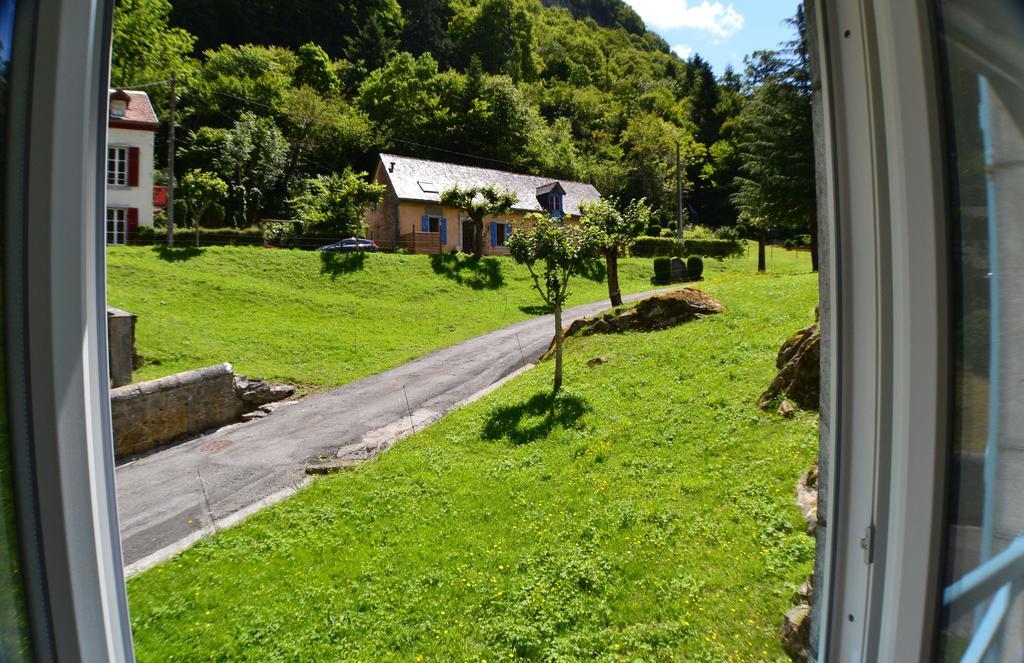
{"x": 721, "y": 31}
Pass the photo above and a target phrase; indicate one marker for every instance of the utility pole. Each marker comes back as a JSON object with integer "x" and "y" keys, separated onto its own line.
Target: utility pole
{"x": 170, "y": 161}
{"x": 679, "y": 191}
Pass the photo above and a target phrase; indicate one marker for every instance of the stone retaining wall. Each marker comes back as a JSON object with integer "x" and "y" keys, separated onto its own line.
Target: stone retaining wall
{"x": 148, "y": 414}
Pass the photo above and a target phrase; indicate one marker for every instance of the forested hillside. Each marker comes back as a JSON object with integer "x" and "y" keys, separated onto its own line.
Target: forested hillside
{"x": 273, "y": 94}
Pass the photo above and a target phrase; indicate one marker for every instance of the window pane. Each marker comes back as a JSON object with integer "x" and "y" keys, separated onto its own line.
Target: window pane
{"x": 983, "y": 50}
{"x": 14, "y": 633}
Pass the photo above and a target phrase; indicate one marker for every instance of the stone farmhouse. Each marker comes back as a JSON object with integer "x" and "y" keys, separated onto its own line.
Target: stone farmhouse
{"x": 132, "y": 124}
{"x": 411, "y": 215}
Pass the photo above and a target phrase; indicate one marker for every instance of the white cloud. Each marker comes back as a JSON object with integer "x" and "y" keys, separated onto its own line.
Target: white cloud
{"x": 682, "y": 50}
{"x": 720, "y": 20}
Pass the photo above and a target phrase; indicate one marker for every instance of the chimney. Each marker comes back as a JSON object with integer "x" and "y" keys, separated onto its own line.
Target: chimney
{"x": 392, "y": 168}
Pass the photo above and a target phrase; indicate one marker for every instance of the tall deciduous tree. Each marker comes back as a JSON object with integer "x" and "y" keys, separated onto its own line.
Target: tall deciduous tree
{"x": 315, "y": 70}
{"x": 201, "y": 189}
{"x": 145, "y": 47}
{"x": 479, "y": 202}
{"x": 614, "y": 230}
{"x": 553, "y": 252}
{"x": 336, "y": 203}
{"x": 252, "y": 162}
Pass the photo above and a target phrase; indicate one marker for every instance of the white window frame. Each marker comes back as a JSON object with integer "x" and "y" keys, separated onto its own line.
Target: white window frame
{"x": 885, "y": 317}
{"x": 123, "y": 221}
{"x": 117, "y": 165}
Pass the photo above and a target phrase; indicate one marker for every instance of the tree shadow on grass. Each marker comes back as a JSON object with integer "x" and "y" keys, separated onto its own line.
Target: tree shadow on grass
{"x": 537, "y": 417}
{"x": 594, "y": 269}
{"x": 477, "y": 273}
{"x": 177, "y": 253}
{"x": 339, "y": 264}
{"x": 536, "y": 309}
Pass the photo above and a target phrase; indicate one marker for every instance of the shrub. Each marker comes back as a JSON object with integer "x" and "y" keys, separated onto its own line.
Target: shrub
{"x": 667, "y": 232}
{"x": 159, "y": 219}
{"x": 694, "y": 267}
{"x": 651, "y": 247}
{"x": 662, "y": 270}
{"x": 714, "y": 248}
{"x": 653, "y": 231}
{"x": 213, "y": 217}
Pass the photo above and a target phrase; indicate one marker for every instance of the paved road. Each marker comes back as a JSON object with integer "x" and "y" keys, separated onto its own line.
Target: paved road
{"x": 171, "y": 498}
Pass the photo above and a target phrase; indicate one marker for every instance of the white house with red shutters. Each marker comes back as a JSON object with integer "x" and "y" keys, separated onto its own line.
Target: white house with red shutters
{"x": 131, "y": 129}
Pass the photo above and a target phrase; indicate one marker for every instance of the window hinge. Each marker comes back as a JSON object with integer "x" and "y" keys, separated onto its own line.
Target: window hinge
{"x": 867, "y": 544}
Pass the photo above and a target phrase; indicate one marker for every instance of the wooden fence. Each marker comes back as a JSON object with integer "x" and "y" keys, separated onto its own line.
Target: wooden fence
{"x": 421, "y": 242}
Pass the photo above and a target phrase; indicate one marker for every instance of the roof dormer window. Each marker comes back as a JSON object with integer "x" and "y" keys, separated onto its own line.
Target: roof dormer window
{"x": 550, "y": 197}
{"x": 119, "y": 100}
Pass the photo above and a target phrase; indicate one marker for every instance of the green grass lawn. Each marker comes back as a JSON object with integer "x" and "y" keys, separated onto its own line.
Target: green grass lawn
{"x": 652, "y": 517}
{"x": 321, "y": 321}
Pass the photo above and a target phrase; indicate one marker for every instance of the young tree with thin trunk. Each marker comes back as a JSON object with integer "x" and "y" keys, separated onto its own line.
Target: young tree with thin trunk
{"x": 615, "y": 230}
{"x": 553, "y": 253}
{"x": 201, "y": 189}
{"x": 479, "y": 202}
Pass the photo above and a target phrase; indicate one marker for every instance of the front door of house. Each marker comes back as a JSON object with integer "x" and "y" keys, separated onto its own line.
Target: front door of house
{"x": 469, "y": 238}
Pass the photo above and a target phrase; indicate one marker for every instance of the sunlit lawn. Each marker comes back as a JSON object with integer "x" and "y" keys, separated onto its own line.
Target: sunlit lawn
{"x": 295, "y": 317}
{"x": 651, "y": 517}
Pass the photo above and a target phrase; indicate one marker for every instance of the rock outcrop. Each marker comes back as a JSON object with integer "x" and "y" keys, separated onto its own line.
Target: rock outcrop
{"x": 651, "y": 314}
{"x": 795, "y": 632}
{"x": 799, "y": 377}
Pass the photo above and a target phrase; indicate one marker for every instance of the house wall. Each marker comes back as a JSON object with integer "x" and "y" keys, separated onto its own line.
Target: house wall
{"x": 141, "y": 196}
{"x": 410, "y": 219}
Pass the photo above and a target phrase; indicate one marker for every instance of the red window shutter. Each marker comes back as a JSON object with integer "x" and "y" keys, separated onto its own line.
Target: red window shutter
{"x": 131, "y": 223}
{"x": 133, "y": 166}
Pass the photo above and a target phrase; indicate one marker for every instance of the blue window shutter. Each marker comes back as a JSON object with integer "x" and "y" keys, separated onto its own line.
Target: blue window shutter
{"x": 494, "y": 233}
{"x": 426, "y": 223}
{"x": 444, "y": 231}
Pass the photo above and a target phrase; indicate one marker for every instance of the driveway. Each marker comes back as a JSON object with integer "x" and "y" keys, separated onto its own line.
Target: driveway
{"x": 172, "y": 498}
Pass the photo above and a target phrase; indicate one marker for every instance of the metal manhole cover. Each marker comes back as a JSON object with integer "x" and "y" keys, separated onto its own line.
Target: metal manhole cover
{"x": 215, "y": 445}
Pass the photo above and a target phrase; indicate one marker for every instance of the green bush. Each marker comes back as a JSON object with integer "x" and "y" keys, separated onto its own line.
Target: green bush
{"x": 714, "y": 248}
{"x": 662, "y": 270}
{"x": 213, "y": 217}
{"x": 651, "y": 247}
{"x": 654, "y": 231}
{"x": 694, "y": 267}
{"x": 667, "y": 232}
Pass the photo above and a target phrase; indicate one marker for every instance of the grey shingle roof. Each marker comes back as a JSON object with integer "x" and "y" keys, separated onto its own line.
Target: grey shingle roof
{"x": 423, "y": 180}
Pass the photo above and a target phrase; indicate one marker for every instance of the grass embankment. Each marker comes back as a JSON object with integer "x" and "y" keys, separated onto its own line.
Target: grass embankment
{"x": 651, "y": 518}
{"x": 319, "y": 320}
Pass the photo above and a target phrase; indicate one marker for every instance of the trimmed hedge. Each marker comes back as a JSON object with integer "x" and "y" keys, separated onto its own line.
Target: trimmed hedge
{"x": 694, "y": 268}
{"x": 228, "y": 237}
{"x": 714, "y": 248}
{"x": 652, "y": 247}
{"x": 662, "y": 270}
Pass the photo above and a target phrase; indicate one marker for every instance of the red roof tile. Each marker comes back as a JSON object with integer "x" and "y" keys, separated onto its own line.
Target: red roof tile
{"x": 139, "y": 113}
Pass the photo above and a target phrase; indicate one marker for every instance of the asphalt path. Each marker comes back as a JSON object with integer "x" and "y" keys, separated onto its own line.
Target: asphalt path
{"x": 169, "y": 499}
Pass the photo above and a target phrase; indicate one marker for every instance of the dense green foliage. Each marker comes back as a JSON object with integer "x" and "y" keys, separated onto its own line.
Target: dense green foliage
{"x": 776, "y": 188}
{"x": 336, "y": 203}
{"x": 648, "y": 516}
{"x": 318, "y": 320}
{"x": 571, "y": 89}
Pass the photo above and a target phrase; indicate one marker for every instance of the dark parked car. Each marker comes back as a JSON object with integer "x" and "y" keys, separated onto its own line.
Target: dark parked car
{"x": 352, "y": 244}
